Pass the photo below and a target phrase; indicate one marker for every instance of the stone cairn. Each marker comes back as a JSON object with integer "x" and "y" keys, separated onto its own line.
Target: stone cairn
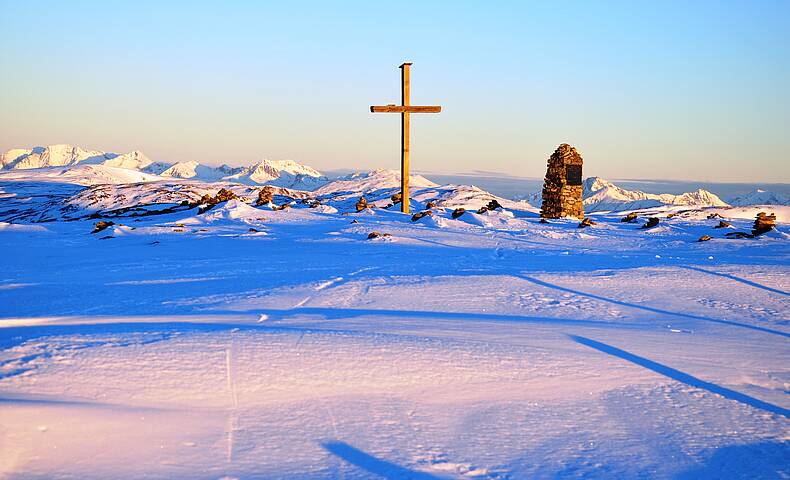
{"x": 562, "y": 189}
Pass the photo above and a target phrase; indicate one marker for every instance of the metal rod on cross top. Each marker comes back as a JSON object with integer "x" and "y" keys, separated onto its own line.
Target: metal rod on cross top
{"x": 405, "y": 109}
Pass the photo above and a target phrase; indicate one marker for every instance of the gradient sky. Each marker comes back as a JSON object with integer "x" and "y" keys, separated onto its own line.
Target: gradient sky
{"x": 644, "y": 89}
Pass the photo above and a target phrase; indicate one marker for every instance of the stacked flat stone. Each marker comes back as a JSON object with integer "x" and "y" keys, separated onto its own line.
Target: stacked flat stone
{"x": 562, "y": 188}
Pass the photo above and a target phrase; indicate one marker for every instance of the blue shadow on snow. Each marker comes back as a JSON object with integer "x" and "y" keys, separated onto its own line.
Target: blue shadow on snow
{"x": 376, "y": 466}
{"x": 681, "y": 376}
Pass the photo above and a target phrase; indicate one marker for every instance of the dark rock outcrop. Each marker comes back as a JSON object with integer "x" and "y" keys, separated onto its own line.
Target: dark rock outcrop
{"x": 265, "y": 196}
{"x": 417, "y": 216}
{"x": 458, "y": 212}
{"x": 101, "y": 225}
{"x": 630, "y": 218}
{"x": 763, "y": 223}
{"x": 651, "y": 222}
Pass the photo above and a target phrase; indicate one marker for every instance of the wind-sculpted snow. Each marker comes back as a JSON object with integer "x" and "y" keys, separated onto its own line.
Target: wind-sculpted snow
{"x": 193, "y": 339}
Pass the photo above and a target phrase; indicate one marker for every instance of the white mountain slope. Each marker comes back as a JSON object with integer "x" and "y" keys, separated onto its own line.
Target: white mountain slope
{"x": 51, "y": 156}
{"x": 362, "y": 183}
{"x": 760, "y": 197}
{"x": 281, "y": 173}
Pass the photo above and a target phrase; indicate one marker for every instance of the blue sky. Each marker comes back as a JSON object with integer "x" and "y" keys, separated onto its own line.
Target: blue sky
{"x": 673, "y": 90}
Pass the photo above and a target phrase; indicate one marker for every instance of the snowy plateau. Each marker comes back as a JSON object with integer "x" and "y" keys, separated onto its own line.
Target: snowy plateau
{"x": 151, "y": 330}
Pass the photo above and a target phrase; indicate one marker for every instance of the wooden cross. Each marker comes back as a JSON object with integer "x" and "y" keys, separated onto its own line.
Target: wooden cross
{"x": 405, "y": 109}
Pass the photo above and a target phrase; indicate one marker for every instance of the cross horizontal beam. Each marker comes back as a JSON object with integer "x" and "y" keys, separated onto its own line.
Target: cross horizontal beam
{"x": 406, "y": 109}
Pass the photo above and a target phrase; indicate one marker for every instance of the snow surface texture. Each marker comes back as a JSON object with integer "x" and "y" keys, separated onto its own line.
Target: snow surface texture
{"x": 253, "y": 342}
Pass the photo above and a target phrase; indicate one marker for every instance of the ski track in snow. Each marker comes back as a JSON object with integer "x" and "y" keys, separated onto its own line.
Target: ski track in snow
{"x": 490, "y": 347}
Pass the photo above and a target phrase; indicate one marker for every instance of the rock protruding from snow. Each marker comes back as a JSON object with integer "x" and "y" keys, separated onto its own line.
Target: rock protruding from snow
{"x": 602, "y": 195}
{"x": 760, "y": 197}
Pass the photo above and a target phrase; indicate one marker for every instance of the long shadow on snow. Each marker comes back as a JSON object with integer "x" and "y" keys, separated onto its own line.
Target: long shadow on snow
{"x": 681, "y": 376}
{"x": 376, "y": 466}
{"x": 737, "y": 279}
{"x": 651, "y": 309}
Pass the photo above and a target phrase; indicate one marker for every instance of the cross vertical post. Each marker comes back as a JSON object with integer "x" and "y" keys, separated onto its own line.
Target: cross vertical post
{"x": 405, "y": 120}
{"x": 405, "y": 109}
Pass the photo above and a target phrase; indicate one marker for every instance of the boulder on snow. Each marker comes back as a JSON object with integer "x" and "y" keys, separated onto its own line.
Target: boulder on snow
{"x": 417, "y": 216}
{"x": 209, "y": 202}
{"x": 361, "y": 204}
{"x": 723, "y": 224}
{"x": 458, "y": 212}
{"x": 430, "y": 204}
{"x": 651, "y": 222}
{"x": 265, "y": 196}
{"x": 713, "y": 215}
{"x": 281, "y": 207}
{"x": 630, "y": 218}
{"x": 395, "y": 198}
{"x": 490, "y": 206}
{"x": 704, "y": 238}
{"x": 763, "y": 223}
{"x": 587, "y": 222}
{"x": 373, "y": 235}
{"x": 738, "y": 235}
{"x": 101, "y": 225}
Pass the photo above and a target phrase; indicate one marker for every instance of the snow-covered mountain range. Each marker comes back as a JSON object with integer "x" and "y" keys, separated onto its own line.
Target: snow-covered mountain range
{"x": 282, "y": 173}
{"x": 760, "y": 197}
{"x": 76, "y": 165}
{"x": 601, "y": 195}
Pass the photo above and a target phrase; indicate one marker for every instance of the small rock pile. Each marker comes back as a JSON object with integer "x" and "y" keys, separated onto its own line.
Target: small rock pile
{"x": 101, "y": 225}
{"x": 395, "y": 198}
{"x": 417, "y": 216}
{"x": 651, "y": 222}
{"x": 630, "y": 218}
{"x": 490, "y": 206}
{"x": 587, "y": 222}
{"x": 458, "y": 212}
{"x": 265, "y": 196}
{"x": 208, "y": 202}
{"x": 373, "y": 235}
{"x": 362, "y": 204}
{"x": 763, "y": 223}
{"x": 562, "y": 188}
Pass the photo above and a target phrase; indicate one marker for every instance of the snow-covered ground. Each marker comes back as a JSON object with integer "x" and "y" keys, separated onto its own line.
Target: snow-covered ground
{"x": 247, "y": 342}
